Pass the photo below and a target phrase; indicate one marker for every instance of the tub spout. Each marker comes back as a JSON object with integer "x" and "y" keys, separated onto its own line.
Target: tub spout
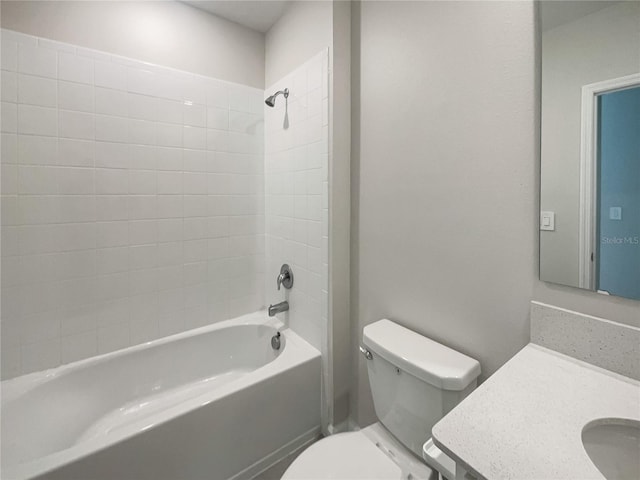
{"x": 278, "y": 308}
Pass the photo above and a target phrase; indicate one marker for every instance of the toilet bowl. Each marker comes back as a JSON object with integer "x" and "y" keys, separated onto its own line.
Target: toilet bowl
{"x": 414, "y": 381}
{"x": 368, "y": 454}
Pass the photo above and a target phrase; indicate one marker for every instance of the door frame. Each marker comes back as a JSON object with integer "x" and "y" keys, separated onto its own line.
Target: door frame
{"x": 589, "y": 169}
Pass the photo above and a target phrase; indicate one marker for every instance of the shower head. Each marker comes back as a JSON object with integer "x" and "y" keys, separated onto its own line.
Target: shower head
{"x": 271, "y": 101}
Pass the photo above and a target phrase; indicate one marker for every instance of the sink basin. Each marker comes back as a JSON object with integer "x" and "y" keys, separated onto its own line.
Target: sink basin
{"x": 613, "y": 445}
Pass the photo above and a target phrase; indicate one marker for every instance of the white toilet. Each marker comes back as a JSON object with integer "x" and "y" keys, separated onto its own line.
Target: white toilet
{"x": 415, "y": 382}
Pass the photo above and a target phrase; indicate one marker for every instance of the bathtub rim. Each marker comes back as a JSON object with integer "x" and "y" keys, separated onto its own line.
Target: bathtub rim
{"x": 296, "y": 351}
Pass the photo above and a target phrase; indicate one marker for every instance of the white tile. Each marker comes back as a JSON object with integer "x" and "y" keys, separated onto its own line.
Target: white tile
{"x": 78, "y": 346}
{"x": 79, "y": 263}
{"x": 112, "y": 181}
{"x": 77, "y": 208}
{"x": 9, "y": 117}
{"x": 35, "y": 239}
{"x": 195, "y": 228}
{"x": 170, "y": 229}
{"x": 142, "y": 281}
{"x": 37, "y": 180}
{"x": 112, "y": 207}
{"x": 217, "y": 118}
{"x": 75, "y": 96}
{"x": 76, "y": 181}
{"x": 9, "y": 86}
{"x": 111, "y": 129}
{"x": 77, "y": 125}
{"x": 194, "y": 183}
{"x": 37, "y": 120}
{"x": 141, "y": 81}
{"x": 142, "y": 132}
{"x": 75, "y": 153}
{"x": 111, "y": 102}
{"x": 142, "y": 232}
{"x": 217, "y": 94}
{"x": 169, "y": 182}
{"x": 195, "y": 160}
{"x": 169, "y": 111}
{"x": 9, "y": 180}
{"x": 39, "y": 327}
{"x": 9, "y": 145}
{"x": 195, "y": 251}
{"x": 9, "y": 55}
{"x": 195, "y": 138}
{"x": 37, "y": 61}
{"x": 195, "y": 205}
{"x": 74, "y": 237}
{"x": 142, "y": 107}
{"x": 39, "y": 356}
{"x": 238, "y": 99}
{"x": 112, "y": 234}
{"x": 10, "y": 360}
{"x": 170, "y": 253}
{"x": 112, "y": 260}
{"x": 143, "y": 207}
{"x": 195, "y": 115}
{"x": 111, "y": 155}
{"x": 75, "y": 68}
{"x": 143, "y": 256}
{"x": 113, "y": 337}
{"x": 169, "y": 158}
{"x": 143, "y": 157}
{"x": 110, "y": 75}
{"x": 112, "y": 287}
{"x": 243, "y": 122}
{"x": 143, "y": 330}
{"x": 171, "y": 206}
{"x": 169, "y": 135}
{"x": 142, "y": 182}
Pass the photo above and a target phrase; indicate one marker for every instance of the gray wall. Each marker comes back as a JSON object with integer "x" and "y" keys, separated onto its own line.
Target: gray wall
{"x": 445, "y": 180}
{"x": 304, "y": 29}
{"x": 444, "y": 174}
{"x": 162, "y": 32}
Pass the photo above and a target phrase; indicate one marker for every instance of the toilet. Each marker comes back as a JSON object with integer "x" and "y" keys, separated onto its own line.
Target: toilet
{"x": 414, "y": 382}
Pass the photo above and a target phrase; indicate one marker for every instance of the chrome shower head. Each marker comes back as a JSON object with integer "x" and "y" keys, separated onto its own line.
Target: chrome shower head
{"x": 271, "y": 101}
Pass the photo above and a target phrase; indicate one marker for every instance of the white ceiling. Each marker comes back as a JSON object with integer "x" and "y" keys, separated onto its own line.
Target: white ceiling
{"x": 558, "y": 12}
{"x": 257, "y": 15}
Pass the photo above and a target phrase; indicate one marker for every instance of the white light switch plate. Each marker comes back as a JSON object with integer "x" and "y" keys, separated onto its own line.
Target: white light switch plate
{"x": 615, "y": 213}
{"x": 548, "y": 221}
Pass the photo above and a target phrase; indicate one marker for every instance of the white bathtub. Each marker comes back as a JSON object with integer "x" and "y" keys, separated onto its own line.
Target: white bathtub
{"x": 216, "y": 402}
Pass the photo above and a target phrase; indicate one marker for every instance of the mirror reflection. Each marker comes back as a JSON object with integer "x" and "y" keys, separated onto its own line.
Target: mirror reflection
{"x": 590, "y": 178}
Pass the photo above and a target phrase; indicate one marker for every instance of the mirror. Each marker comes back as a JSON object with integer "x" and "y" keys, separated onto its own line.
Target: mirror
{"x": 590, "y": 134}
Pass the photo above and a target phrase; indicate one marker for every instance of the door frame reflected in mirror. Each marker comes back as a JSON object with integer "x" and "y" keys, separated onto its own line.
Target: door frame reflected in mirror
{"x": 588, "y": 172}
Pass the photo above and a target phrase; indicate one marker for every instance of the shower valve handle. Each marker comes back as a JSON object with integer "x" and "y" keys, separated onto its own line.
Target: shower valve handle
{"x": 286, "y": 277}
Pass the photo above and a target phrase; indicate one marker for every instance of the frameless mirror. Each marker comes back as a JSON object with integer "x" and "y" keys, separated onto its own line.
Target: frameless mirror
{"x": 590, "y": 133}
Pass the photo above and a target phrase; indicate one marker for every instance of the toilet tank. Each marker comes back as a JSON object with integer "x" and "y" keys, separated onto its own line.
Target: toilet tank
{"x": 414, "y": 380}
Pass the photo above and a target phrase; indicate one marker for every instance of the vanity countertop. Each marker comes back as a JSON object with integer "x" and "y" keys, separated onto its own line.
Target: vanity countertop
{"x": 526, "y": 420}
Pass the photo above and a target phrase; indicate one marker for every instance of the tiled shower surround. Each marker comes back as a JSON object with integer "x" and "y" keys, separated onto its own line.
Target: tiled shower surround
{"x": 296, "y": 209}
{"x": 132, "y": 202}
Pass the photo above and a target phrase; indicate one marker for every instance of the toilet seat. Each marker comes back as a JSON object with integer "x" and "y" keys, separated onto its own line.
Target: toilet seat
{"x": 369, "y": 454}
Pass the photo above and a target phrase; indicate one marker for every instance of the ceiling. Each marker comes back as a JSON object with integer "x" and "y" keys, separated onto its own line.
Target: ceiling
{"x": 556, "y": 13}
{"x": 257, "y": 15}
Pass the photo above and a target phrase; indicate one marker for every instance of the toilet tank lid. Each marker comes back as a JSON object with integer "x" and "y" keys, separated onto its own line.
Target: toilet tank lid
{"x": 420, "y": 356}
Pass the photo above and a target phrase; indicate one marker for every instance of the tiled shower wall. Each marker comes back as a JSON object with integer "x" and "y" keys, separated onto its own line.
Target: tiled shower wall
{"x": 132, "y": 202}
{"x": 296, "y": 208}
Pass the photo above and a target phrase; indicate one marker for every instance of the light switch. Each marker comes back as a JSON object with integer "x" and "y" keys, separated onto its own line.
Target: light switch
{"x": 548, "y": 221}
{"x": 615, "y": 213}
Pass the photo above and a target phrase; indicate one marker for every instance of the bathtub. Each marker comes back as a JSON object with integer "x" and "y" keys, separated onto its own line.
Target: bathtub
{"x": 216, "y": 402}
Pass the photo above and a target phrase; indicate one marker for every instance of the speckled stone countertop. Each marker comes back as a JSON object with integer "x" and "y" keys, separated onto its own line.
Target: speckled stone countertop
{"x": 526, "y": 420}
